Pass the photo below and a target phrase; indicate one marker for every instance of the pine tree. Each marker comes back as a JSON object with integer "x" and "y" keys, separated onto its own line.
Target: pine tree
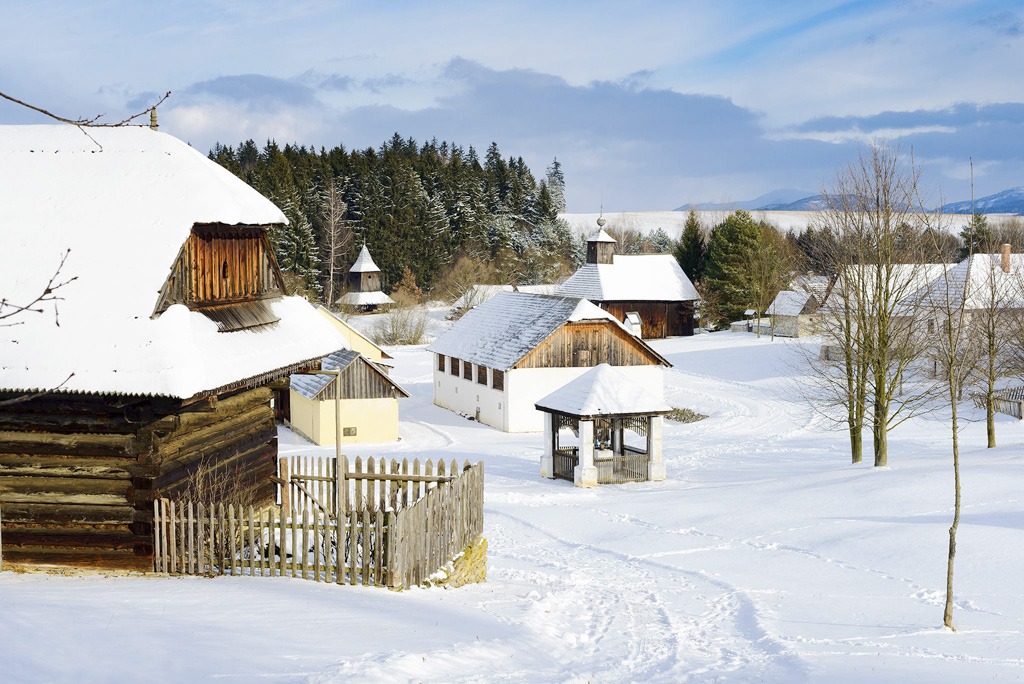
{"x": 556, "y": 185}
{"x": 691, "y": 250}
{"x": 725, "y": 273}
{"x": 976, "y": 237}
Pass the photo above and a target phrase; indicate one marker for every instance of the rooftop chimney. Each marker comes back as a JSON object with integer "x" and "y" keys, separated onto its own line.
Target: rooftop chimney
{"x": 1004, "y": 251}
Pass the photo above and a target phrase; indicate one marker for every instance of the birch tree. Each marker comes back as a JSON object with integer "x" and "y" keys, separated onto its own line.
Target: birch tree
{"x": 335, "y": 237}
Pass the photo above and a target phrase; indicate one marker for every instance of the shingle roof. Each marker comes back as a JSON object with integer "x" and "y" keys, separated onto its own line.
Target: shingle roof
{"x": 124, "y": 201}
{"x": 601, "y": 236}
{"x": 502, "y": 330}
{"x": 631, "y": 277}
{"x": 310, "y": 385}
{"x": 603, "y": 391}
{"x": 364, "y": 263}
{"x": 791, "y": 303}
{"x": 982, "y": 280}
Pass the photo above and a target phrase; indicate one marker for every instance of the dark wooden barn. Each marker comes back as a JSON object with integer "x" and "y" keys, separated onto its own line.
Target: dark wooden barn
{"x": 649, "y": 287}
{"x": 150, "y": 378}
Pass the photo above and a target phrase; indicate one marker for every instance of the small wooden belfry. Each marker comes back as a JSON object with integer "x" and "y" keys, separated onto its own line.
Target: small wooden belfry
{"x": 364, "y": 293}
{"x": 616, "y": 427}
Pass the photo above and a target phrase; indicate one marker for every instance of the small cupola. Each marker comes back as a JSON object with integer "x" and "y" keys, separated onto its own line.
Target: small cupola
{"x": 600, "y": 246}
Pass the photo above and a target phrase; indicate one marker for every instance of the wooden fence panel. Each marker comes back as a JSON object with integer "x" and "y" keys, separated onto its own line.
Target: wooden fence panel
{"x": 439, "y": 513}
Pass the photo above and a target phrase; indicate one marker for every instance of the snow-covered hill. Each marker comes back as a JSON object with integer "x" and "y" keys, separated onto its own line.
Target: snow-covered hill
{"x": 1006, "y": 202}
{"x": 775, "y": 197}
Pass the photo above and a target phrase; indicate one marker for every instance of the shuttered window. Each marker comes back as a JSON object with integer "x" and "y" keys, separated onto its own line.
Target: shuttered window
{"x": 453, "y": 368}
{"x": 481, "y": 375}
{"x": 498, "y": 379}
{"x": 467, "y": 370}
{"x": 440, "y": 362}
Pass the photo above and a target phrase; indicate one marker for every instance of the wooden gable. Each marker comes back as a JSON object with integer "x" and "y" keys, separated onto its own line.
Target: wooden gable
{"x": 362, "y": 379}
{"x": 225, "y": 272}
{"x": 588, "y": 343}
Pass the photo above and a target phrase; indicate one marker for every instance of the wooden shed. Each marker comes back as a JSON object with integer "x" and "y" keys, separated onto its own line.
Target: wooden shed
{"x": 504, "y": 355}
{"x": 368, "y": 402}
{"x": 652, "y": 286}
{"x": 153, "y": 363}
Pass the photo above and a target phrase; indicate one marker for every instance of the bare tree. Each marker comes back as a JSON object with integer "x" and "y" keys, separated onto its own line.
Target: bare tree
{"x": 767, "y": 266}
{"x": 336, "y": 237}
{"x": 945, "y": 303}
{"x": 871, "y": 212}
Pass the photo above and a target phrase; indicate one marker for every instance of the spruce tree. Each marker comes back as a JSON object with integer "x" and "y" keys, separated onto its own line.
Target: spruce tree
{"x": 725, "y": 274}
{"x": 691, "y": 250}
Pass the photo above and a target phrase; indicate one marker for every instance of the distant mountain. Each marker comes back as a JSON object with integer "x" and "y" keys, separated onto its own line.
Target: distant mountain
{"x": 1006, "y": 202}
{"x": 774, "y": 197}
{"x": 812, "y": 203}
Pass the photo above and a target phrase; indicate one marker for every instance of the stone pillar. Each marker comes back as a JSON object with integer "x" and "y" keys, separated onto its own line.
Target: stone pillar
{"x": 547, "y": 459}
{"x": 617, "y": 436}
{"x": 656, "y": 463}
{"x": 585, "y": 474}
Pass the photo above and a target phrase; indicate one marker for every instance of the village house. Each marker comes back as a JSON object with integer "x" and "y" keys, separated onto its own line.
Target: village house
{"x": 367, "y": 404}
{"x": 148, "y": 370}
{"x": 649, "y": 288}
{"x": 499, "y": 359}
{"x": 364, "y": 294}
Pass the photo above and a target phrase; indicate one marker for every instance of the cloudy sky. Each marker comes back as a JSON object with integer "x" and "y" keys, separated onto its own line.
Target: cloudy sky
{"x": 647, "y": 105}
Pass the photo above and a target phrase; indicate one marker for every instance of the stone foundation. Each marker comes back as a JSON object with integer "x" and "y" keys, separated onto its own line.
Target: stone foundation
{"x": 468, "y": 568}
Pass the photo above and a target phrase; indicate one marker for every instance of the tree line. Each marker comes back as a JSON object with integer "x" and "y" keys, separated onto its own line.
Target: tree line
{"x": 419, "y": 208}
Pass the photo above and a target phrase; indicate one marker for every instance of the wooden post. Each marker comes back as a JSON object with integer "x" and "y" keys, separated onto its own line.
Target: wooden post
{"x": 286, "y": 487}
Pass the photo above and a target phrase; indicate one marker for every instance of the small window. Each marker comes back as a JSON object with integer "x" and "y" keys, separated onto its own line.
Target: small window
{"x": 348, "y": 432}
{"x": 498, "y": 379}
{"x": 467, "y": 370}
{"x": 224, "y": 271}
{"x": 453, "y": 367}
{"x": 440, "y": 362}
{"x": 481, "y": 375}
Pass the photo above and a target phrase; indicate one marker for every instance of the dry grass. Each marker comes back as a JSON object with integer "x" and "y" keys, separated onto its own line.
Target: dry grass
{"x": 685, "y": 415}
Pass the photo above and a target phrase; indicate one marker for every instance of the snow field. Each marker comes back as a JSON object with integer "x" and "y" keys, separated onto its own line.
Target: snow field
{"x": 764, "y": 556}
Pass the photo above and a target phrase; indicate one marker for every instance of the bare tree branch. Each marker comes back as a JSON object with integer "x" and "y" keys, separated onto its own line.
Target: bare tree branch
{"x": 36, "y": 395}
{"x": 48, "y": 294}
{"x": 91, "y": 122}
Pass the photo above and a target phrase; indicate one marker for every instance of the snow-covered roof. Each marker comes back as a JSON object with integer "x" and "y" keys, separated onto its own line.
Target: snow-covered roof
{"x": 602, "y": 391}
{"x": 631, "y": 277}
{"x": 124, "y": 201}
{"x": 982, "y": 280}
{"x": 502, "y": 330}
{"x": 364, "y": 263}
{"x": 906, "y": 283}
{"x": 365, "y": 299}
{"x": 791, "y": 303}
{"x": 478, "y": 294}
{"x": 817, "y": 285}
{"x": 548, "y": 288}
{"x": 601, "y": 236}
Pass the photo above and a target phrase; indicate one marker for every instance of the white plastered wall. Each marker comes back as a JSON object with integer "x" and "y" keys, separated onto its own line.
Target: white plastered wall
{"x": 469, "y": 397}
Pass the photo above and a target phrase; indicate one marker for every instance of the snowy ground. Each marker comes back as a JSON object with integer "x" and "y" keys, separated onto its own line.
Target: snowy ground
{"x": 764, "y": 556}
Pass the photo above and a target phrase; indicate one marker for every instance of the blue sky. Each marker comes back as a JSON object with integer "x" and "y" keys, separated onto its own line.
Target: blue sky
{"x": 647, "y": 105}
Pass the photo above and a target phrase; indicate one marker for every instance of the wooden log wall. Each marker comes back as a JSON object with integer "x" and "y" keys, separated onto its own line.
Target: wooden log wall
{"x": 587, "y": 344}
{"x": 78, "y": 474}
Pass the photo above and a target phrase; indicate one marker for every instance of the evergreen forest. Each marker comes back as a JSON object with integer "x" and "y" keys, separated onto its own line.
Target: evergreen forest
{"x": 423, "y": 210}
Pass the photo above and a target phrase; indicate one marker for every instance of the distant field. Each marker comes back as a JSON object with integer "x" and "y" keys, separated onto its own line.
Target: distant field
{"x": 672, "y": 221}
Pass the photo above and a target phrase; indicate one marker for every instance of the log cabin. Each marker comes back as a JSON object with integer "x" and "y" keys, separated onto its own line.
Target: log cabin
{"x": 652, "y": 286}
{"x": 499, "y": 359}
{"x": 151, "y": 366}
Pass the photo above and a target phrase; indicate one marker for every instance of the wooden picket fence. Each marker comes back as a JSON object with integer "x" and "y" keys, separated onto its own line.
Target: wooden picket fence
{"x": 371, "y": 528}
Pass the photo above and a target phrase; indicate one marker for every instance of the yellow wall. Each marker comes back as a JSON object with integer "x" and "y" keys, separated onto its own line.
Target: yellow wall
{"x": 356, "y": 341}
{"x": 375, "y": 420}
